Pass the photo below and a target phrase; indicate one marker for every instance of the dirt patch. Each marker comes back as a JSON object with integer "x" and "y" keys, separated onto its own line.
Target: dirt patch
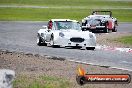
{"x": 108, "y": 39}
{"x": 35, "y": 66}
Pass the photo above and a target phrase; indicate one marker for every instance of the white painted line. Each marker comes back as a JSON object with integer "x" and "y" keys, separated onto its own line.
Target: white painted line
{"x": 121, "y": 68}
{"x": 81, "y": 62}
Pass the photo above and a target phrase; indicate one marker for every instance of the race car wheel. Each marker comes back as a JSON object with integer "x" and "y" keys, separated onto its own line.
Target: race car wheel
{"x": 52, "y": 40}
{"x": 106, "y": 30}
{"x": 115, "y": 29}
{"x": 90, "y": 48}
{"x": 109, "y": 31}
{"x": 39, "y": 41}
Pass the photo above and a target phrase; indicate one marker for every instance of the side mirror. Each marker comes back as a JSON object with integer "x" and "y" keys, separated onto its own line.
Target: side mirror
{"x": 45, "y": 27}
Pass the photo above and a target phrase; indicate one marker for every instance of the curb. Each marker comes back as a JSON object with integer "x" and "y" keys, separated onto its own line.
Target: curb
{"x": 105, "y": 66}
{"x": 109, "y": 48}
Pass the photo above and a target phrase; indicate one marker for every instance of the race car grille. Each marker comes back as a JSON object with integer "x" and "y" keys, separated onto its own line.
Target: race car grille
{"x": 78, "y": 40}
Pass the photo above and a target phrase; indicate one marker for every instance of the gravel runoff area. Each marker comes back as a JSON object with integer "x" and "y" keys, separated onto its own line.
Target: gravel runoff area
{"x": 35, "y": 66}
{"x": 108, "y": 39}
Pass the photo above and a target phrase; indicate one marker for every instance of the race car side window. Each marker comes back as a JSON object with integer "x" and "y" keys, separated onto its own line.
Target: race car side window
{"x": 50, "y": 24}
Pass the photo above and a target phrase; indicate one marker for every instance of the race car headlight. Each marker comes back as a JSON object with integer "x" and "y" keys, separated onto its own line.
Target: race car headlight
{"x": 42, "y": 34}
{"x": 103, "y": 21}
{"x": 61, "y": 34}
{"x": 91, "y": 35}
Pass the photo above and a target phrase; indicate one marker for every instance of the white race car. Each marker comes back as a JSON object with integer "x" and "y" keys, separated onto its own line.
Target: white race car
{"x": 65, "y": 33}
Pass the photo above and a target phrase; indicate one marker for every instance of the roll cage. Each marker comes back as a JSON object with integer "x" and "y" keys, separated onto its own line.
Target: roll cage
{"x": 102, "y": 13}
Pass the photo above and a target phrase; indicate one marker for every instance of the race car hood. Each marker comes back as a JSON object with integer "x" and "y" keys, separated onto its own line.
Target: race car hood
{"x": 76, "y": 33}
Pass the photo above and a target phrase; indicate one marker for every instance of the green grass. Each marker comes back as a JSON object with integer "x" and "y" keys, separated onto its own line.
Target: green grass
{"x": 68, "y": 2}
{"x": 75, "y": 9}
{"x": 24, "y": 81}
{"x": 125, "y": 40}
{"x": 17, "y": 14}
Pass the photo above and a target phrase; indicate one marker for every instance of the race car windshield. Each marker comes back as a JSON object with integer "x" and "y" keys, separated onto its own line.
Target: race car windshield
{"x": 93, "y": 22}
{"x": 99, "y": 17}
{"x": 66, "y": 25}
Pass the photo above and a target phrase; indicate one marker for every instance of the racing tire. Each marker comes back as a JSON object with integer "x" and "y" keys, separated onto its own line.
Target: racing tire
{"x": 40, "y": 42}
{"x": 52, "y": 42}
{"x": 90, "y": 48}
{"x": 109, "y": 31}
{"x": 114, "y": 30}
{"x": 106, "y": 30}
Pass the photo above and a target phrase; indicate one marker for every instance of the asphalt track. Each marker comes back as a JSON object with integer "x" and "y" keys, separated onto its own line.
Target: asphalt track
{"x": 21, "y": 37}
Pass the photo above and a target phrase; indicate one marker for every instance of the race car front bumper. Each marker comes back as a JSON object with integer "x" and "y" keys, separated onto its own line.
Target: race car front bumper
{"x": 91, "y": 42}
{"x": 96, "y": 27}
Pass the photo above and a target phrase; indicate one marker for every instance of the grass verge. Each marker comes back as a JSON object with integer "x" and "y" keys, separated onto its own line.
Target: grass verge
{"x": 77, "y": 9}
{"x": 88, "y": 3}
{"x": 125, "y": 40}
{"x": 25, "y": 81}
{"x": 32, "y": 14}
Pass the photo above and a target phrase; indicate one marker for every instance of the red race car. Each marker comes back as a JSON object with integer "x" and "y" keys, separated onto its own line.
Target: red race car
{"x": 100, "y": 21}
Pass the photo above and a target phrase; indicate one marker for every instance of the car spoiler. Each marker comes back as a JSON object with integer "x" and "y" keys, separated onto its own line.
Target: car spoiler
{"x": 104, "y": 12}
